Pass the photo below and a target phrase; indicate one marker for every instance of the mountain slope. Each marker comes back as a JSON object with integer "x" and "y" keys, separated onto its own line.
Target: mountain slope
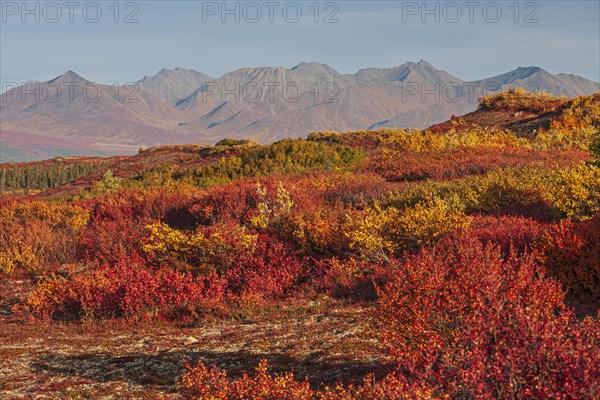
{"x": 538, "y": 79}
{"x": 265, "y": 103}
{"x": 530, "y": 78}
{"x": 71, "y": 107}
{"x": 171, "y": 85}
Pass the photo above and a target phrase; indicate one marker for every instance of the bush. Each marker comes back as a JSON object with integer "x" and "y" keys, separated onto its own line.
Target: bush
{"x": 318, "y": 230}
{"x": 201, "y": 382}
{"x": 231, "y": 142}
{"x": 580, "y": 114}
{"x": 377, "y": 233}
{"x": 231, "y": 202}
{"x": 570, "y": 251}
{"x": 37, "y": 235}
{"x": 575, "y": 192}
{"x": 574, "y": 127}
{"x": 128, "y": 212}
{"x": 371, "y": 233}
{"x": 201, "y": 251}
{"x": 509, "y": 233}
{"x": 229, "y": 263}
{"x": 271, "y": 210}
{"x": 467, "y": 323}
{"x": 519, "y": 99}
{"x": 273, "y": 269}
{"x": 595, "y": 148}
{"x": 108, "y": 183}
{"x": 249, "y": 264}
{"x": 284, "y": 157}
{"x": 97, "y": 243}
{"x": 429, "y": 221}
{"x": 120, "y": 290}
{"x": 511, "y": 191}
{"x": 452, "y": 164}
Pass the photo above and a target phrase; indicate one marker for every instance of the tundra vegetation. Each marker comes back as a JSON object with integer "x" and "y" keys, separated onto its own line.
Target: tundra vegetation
{"x": 457, "y": 262}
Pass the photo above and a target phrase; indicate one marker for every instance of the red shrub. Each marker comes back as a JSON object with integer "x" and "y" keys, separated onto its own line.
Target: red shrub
{"x": 118, "y": 291}
{"x": 137, "y": 204}
{"x": 467, "y": 323}
{"x": 271, "y": 269}
{"x": 118, "y": 223}
{"x": 234, "y": 202}
{"x": 570, "y": 252}
{"x": 110, "y": 241}
{"x": 507, "y": 232}
{"x": 351, "y": 278}
{"x": 268, "y": 269}
{"x": 464, "y": 161}
{"x": 355, "y": 189}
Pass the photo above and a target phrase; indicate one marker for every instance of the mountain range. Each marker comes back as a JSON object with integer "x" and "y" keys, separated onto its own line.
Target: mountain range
{"x": 71, "y": 115}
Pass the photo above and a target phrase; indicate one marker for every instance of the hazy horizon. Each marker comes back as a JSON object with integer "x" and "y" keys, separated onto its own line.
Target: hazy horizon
{"x": 470, "y": 43}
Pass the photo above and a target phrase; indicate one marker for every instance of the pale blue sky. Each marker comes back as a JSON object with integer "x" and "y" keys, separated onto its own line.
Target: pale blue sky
{"x": 565, "y": 38}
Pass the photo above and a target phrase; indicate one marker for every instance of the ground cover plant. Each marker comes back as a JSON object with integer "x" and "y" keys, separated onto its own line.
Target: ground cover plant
{"x": 457, "y": 262}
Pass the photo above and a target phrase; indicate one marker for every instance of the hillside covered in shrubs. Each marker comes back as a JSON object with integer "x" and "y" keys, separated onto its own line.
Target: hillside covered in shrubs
{"x": 460, "y": 262}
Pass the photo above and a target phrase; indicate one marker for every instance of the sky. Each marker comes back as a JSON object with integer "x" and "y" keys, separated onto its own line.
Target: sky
{"x": 120, "y": 42}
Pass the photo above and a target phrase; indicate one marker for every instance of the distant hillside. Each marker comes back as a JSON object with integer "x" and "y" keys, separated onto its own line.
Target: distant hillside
{"x": 266, "y": 104}
{"x": 172, "y": 85}
{"x": 524, "y": 115}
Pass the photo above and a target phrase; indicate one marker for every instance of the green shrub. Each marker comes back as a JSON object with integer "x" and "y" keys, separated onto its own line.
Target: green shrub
{"x": 231, "y": 142}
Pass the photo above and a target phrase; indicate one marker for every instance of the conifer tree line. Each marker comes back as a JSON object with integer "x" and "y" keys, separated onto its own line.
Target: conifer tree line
{"x": 44, "y": 176}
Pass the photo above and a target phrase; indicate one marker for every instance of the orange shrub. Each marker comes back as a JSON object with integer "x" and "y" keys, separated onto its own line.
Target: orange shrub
{"x": 201, "y": 382}
{"x": 37, "y": 235}
{"x": 318, "y": 231}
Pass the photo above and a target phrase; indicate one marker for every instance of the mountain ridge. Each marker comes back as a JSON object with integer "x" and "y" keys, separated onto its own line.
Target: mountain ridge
{"x": 265, "y": 103}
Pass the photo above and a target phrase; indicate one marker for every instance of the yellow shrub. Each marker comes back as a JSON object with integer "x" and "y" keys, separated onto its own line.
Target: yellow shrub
{"x": 371, "y": 236}
{"x": 271, "y": 209}
{"x": 576, "y": 191}
{"x": 421, "y": 141}
{"x": 54, "y": 215}
{"x": 501, "y": 189}
{"x": 428, "y": 221}
{"x": 378, "y": 233}
{"x": 497, "y": 189}
{"x": 195, "y": 250}
{"x": 165, "y": 241}
{"x": 108, "y": 183}
{"x": 19, "y": 257}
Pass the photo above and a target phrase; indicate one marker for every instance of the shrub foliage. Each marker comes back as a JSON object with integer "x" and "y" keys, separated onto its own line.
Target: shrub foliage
{"x": 467, "y": 242}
